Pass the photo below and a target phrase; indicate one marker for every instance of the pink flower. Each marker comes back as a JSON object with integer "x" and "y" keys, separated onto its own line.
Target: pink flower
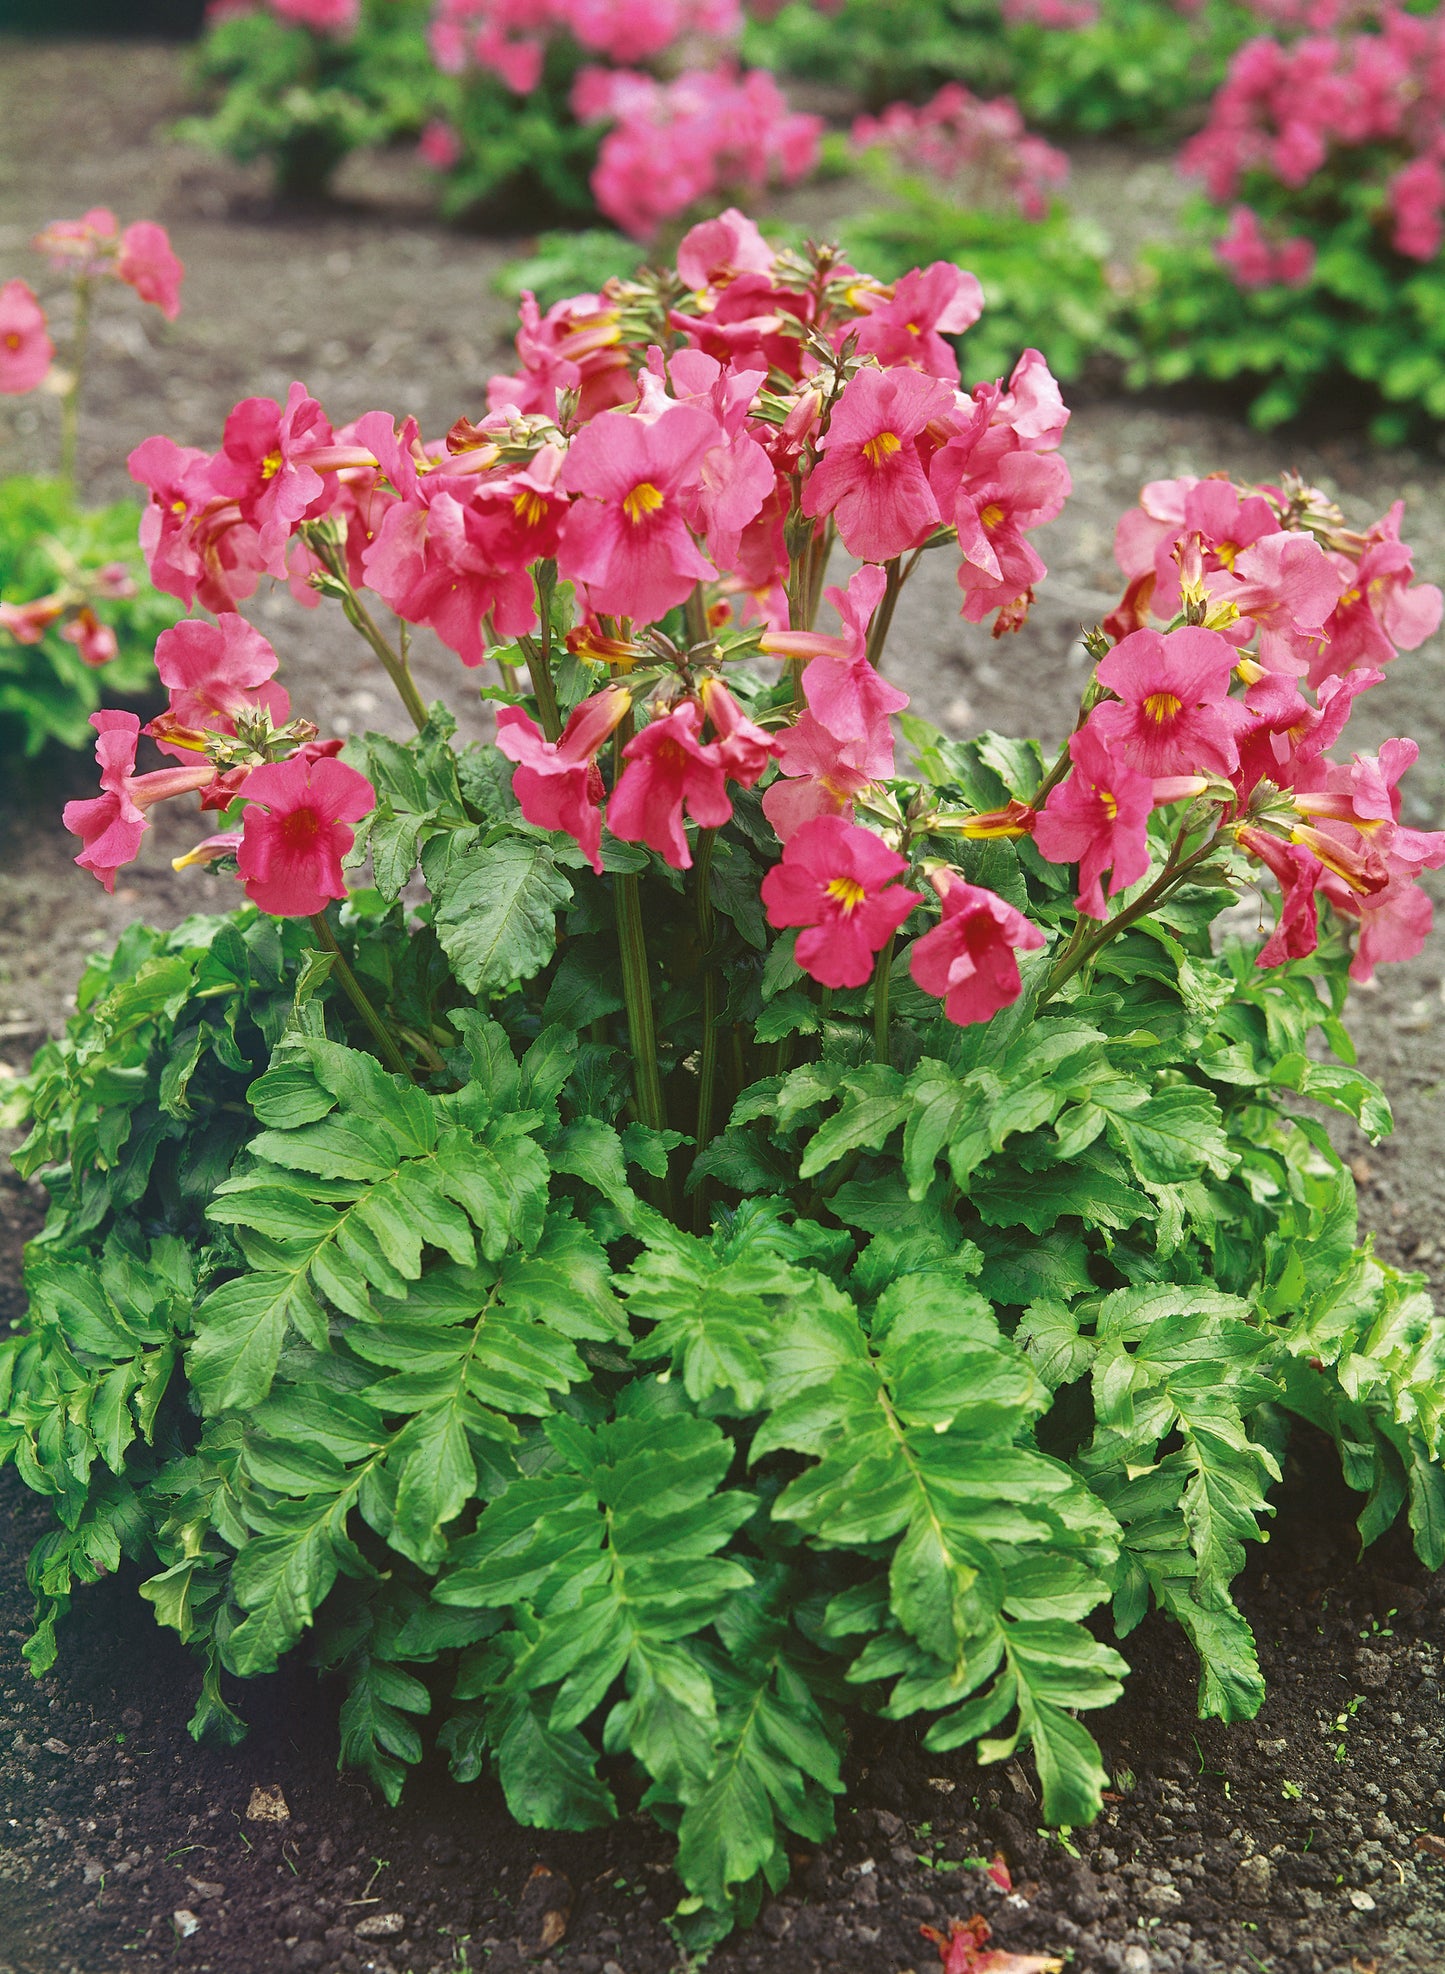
{"x": 845, "y": 692}
{"x": 667, "y": 767}
{"x": 994, "y": 513}
{"x": 1394, "y": 921}
{"x": 871, "y": 478}
{"x": 1299, "y": 872}
{"x": 819, "y": 776}
{"x": 1417, "y": 195}
{"x": 95, "y": 641}
{"x": 439, "y": 146}
{"x": 558, "y": 784}
{"x": 26, "y": 351}
{"x": 1256, "y": 262}
{"x": 968, "y": 959}
{"x": 1285, "y": 588}
{"x": 909, "y": 326}
{"x": 337, "y": 17}
{"x": 1381, "y": 611}
{"x": 196, "y": 545}
{"x": 215, "y": 671}
{"x": 295, "y": 832}
{"x": 744, "y": 748}
{"x": 83, "y": 246}
{"x": 147, "y": 264}
{"x": 110, "y": 825}
{"x": 714, "y": 251}
{"x": 836, "y": 881}
{"x": 1176, "y": 716}
{"x": 262, "y": 465}
{"x": 1097, "y": 819}
{"x": 627, "y": 537}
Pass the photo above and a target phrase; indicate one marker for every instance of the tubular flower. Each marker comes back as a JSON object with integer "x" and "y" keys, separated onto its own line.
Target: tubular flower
{"x": 870, "y": 477}
{"x": 262, "y": 465}
{"x": 969, "y": 958}
{"x": 819, "y": 776}
{"x": 909, "y": 326}
{"x": 626, "y": 537}
{"x": 1299, "y": 872}
{"x": 836, "y": 882}
{"x": 1097, "y": 819}
{"x": 147, "y": 263}
{"x": 669, "y": 767}
{"x": 215, "y": 671}
{"x": 110, "y": 825}
{"x": 744, "y": 747}
{"x": 1173, "y": 714}
{"x": 295, "y": 832}
{"x": 845, "y": 692}
{"x": 26, "y": 351}
{"x": 558, "y": 783}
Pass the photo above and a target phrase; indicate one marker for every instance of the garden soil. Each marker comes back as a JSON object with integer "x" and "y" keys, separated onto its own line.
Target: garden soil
{"x": 1310, "y": 1841}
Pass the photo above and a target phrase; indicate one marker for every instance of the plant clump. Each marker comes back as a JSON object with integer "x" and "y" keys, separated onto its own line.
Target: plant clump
{"x": 724, "y": 1206}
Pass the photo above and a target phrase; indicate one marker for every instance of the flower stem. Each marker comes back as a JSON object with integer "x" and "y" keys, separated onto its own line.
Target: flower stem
{"x": 883, "y": 615}
{"x": 711, "y": 1013}
{"x": 393, "y": 663}
{"x": 391, "y": 1055}
{"x": 637, "y": 996}
{"x": 1082, "y": 947}
{"x": 538, "y": 653}
{"x": 70, "y": 403}
{"x": 882, "y": 976}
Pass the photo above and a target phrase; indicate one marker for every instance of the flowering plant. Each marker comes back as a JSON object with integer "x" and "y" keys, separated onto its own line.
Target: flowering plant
{"x": 734, "y": 1220}
{"x": 74, "y": 599}
{"x": 1324, "y": 165}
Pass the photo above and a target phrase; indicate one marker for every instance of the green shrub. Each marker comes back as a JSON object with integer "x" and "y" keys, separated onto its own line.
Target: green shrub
{"x": 304, "y": 101}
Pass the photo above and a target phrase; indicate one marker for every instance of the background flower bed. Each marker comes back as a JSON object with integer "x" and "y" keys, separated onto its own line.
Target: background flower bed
{"x": 1146, "y": 434}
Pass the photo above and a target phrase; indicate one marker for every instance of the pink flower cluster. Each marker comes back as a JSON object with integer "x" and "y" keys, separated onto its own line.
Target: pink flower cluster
{"x": 221, "y": 681}
{"x": 1256, "y": 261}
{"x": 1303, "y": 612}
{"x": 708, "y": 133}
{"x": 1286, "y": 110}
{"x": 509, "y": 38}
{"x": 975, "y": 147}
{"x": 337, "y": 18}
{"x": 71, "y": 608}
{"x": 687, "y": 454}
{"x": 89, "y": 248}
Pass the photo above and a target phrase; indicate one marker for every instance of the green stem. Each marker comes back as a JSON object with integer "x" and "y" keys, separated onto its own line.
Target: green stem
{"x": 883, "y": 615}
{"x": 695, "y": 613}
{"x": 637, "y": 996}
{"x": 391, "y": 1055}
{"x": 882, "y": 976}
{"x": 1080, "y": 950}
{"x": 395, "y": 666}
{"x": 70, "y": 403}
{"x": 711, "y": 1013}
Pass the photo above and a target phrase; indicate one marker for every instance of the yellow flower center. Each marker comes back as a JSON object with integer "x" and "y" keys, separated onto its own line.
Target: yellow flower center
{"x": 991, "y": 515}
{"x": 848, "y": 892}
{"x": 271, "y": 465}
{"x": 881, "y": 447}
{"x": 530, "y": 508}
{"x": 1162, "y": 706}
{"x": 644, "y": 499}
{"x": 12, "y": 341}
{"x": 178, "y": 507}
{"x": 1350, "y": 596}
{"x": 1110, "y": 802}
{"x": 1226, "y": 551}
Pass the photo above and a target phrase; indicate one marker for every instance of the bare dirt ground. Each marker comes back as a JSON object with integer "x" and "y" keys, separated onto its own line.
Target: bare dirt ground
{"x": 370, "y": 303}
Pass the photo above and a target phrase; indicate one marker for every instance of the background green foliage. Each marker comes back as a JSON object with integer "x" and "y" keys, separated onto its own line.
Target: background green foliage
{"x": 1137, "y": 67}
{"x": 1368, "y": 318}
{"x": 1044, "y": 281}
{"x": 625, "y": 1470}
{"x": 47, "y": 692}
{"x": 303, "y": 101}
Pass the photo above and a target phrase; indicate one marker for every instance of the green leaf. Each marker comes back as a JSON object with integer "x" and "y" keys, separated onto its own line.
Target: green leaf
{"x": 496, "y": 912}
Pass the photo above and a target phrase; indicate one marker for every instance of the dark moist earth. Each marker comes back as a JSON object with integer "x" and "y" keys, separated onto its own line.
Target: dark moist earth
{"x": 1310, "y": 1841}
